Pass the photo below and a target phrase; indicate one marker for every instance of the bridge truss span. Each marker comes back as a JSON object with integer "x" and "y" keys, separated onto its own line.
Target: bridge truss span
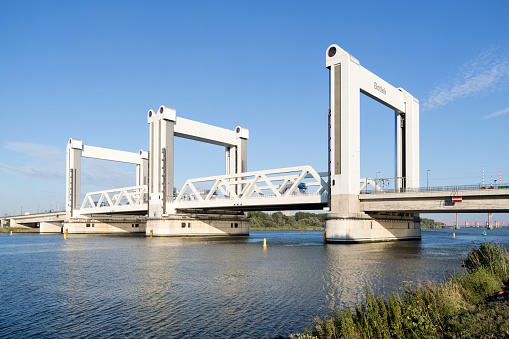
{"x": 128, "y": 199}
{"x": 292, "y": 187}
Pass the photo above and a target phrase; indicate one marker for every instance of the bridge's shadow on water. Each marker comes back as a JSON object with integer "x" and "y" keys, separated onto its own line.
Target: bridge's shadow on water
{"x": 197, "y": 287}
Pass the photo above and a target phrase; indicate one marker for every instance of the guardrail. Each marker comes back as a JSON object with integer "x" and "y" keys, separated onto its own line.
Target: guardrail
{"x": 451, "y": 188}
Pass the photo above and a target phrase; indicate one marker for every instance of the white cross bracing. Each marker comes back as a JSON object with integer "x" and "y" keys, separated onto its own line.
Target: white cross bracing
{"x": 128, "y": 199}
{"x": 284, "y": 186}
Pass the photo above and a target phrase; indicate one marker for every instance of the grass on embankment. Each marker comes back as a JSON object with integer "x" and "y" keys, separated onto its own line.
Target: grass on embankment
{"x": 18, "y": 230}
{"x": 465, "y": 306}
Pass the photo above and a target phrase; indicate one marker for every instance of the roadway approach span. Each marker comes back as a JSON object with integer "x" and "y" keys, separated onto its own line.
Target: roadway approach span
{"x": 459, "y": 201}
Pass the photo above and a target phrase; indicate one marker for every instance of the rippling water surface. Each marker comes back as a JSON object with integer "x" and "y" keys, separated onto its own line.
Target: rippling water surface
{"x": 221, "y": 287}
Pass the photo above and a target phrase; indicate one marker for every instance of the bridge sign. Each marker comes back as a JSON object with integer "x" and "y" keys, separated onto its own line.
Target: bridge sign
{"x": 457, "y": 199}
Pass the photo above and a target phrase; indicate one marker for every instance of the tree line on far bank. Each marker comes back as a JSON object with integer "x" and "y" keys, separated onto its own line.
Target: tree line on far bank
{"x": 430, "y": 224}
{"x": 304, "y": 220}
{"x": 299, "y": 221}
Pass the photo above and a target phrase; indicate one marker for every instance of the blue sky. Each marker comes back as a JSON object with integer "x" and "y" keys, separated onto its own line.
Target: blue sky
{"x": 92, "y": 69}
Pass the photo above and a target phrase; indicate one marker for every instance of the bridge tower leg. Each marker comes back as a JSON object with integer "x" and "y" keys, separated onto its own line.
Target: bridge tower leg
{"x": 236, "y": 156}
{"x": 142, "y": 169}
{"x": 346, "y": 222}
{"x": 160, "y": 191}
{"x": 73, "y": 177}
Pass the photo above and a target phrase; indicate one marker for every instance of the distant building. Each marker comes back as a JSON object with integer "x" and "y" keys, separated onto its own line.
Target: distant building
{"x": 287, "y": 213}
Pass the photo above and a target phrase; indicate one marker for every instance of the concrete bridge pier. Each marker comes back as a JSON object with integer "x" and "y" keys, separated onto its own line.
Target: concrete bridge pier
{"x": 347, "y": 226}
{"x": 105, "y": 225}
{"x": 50, "y": 227}
{"x": 198, "y": 224}
{"x": 490, "y": 221}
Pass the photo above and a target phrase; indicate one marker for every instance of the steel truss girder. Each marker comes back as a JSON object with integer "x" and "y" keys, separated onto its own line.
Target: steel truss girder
{"x": 127, "y": 199}
{"x": 284, "y": 186}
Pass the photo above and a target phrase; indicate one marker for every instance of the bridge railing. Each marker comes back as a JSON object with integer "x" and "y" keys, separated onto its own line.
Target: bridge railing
{"x": 474, "y": 223}
{"x": 115, "y": 200}
{"x": 283, "y": 184}
{"x": 384, "y": 186}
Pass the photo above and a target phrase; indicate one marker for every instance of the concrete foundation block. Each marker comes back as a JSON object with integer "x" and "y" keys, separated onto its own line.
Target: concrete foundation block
{"x": 369, "y": 229}
{"x": 197, "y": 225}
{"x": 50, "y": 227}
{"x": 104, "y": 226}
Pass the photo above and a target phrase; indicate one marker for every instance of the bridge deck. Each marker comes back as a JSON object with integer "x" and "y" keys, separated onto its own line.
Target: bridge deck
{"x": 472, "y": 201}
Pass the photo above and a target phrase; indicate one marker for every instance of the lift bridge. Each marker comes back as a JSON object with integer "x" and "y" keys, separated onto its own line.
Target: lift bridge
{"x": 172, "y": 211}
{"x": 215, "y": 205}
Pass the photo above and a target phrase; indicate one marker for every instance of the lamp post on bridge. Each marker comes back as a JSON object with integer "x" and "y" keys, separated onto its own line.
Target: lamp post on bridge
{"x": 427, "y": 180}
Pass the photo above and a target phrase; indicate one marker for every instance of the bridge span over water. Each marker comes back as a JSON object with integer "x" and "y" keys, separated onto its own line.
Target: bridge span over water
{"x": 292, "y": 190}
{"x": 267, "y": 194}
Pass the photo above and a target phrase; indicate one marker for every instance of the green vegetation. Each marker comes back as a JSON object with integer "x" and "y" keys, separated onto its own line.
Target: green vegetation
{"x": 465, "y": 306}
{"x": 277, "y": 221}
{"x": 430, "y": 224}
{"x": 18, "y": 230}
{"x": 259, "y": 221}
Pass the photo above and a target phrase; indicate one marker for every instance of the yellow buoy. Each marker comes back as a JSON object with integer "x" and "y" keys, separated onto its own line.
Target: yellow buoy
{"x": 454, "y": 235}
{"x": 151, "y": 232}
{"x": 66, "y": 231}
{"x": 11, "y": 232}
{"x": 324, "y": 237}
{"x": 65, "y": 236}
{"x": 264, "y": 243}
{"x": 300, "y": 232}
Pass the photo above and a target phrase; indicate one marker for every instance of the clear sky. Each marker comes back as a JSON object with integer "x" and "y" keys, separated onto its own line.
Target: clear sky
{"x": 92, "y": 69}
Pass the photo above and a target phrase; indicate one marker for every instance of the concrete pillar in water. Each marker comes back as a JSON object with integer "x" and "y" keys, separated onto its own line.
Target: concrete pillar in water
{"x": 490, "y": 221}
{"x": 457, "y": 223}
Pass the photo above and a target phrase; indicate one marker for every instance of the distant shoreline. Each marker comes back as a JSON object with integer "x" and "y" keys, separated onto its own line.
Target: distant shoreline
{"x": 18, "y": 230}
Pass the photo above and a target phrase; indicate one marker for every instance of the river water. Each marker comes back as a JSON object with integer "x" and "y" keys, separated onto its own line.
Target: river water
{"x": 221, "y": 287}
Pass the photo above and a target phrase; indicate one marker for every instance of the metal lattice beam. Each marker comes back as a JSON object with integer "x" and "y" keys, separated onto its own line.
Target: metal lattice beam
{"x": 284, "y": 186}
{"x": 128, "y": 199}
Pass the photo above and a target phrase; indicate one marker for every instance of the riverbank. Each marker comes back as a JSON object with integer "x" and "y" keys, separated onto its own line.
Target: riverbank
{"x": 469, "y": 305}
{"x": 18, "y": 230}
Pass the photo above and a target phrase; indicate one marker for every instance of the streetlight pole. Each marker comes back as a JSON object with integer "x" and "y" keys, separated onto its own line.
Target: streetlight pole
{"x": 427, "y": 180}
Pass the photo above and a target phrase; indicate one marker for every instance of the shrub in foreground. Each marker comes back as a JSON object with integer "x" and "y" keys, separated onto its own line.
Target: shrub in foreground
{"x": 451, "y": 309}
